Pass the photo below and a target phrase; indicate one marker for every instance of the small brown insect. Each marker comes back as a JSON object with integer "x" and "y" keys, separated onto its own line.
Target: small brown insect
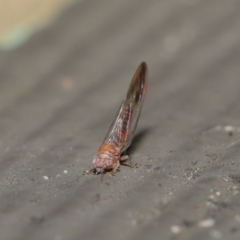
{"x": 121, "y": 132}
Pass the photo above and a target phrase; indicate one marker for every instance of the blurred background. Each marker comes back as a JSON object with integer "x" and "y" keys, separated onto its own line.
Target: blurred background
{"x": 19, "y": 19}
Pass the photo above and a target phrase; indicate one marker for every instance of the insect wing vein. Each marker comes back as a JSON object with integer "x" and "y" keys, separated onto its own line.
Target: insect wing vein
{"x": 122, "y": 129}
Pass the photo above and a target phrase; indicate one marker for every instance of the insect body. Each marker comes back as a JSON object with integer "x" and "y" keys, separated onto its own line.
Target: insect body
{"x": 121, "y": 132}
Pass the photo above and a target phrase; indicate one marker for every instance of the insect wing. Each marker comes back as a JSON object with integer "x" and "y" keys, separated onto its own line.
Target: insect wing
{"x": 123, "y": 127}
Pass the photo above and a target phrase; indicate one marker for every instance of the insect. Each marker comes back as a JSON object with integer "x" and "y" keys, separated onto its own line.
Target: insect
{"x": 121, "y": 131}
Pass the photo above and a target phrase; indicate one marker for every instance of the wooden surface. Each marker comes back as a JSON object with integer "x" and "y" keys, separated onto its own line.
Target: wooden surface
{"x": 60, "y": 91}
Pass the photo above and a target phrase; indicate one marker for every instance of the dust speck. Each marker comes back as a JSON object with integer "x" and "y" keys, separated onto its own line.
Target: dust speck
{"x": 176, "y": 229}
{"x": 206, "y": 223}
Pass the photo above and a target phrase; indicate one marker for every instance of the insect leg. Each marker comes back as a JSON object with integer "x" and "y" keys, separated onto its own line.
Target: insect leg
{"x": 127, "y": 158}
{"x": 116, "y": 169}
{"x": 88, "y": 171}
